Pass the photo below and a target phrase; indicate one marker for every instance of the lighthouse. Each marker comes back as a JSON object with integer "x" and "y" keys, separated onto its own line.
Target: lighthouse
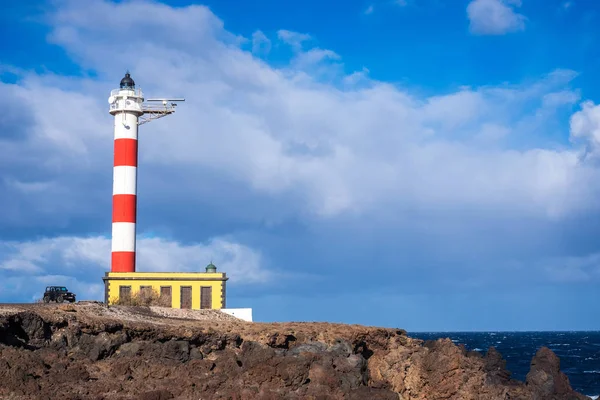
{"x": 190, "y": 290}
{"x": 126, "y": 105}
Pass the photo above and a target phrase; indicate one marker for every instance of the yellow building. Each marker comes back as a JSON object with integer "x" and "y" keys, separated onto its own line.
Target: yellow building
{"x": 192, "y": 290}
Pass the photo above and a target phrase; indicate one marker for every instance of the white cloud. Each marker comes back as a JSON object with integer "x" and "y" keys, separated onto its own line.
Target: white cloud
{"x": 358, "y": 77}
{"x": 366, "y": 148}
{"x": 260, "y": 43}
{"x": 585, "y": 127}
{"x": 81, "y": 261}
{"x": 309, "y": 60}
{"x": 66, "y": 254}
{"x": 370, "y": 148}
{"x": 294, "y": 39}
{"x": 495, "y": 17}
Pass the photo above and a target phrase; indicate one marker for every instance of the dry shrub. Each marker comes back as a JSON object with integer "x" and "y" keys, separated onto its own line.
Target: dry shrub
{"x": 142, "y": 298}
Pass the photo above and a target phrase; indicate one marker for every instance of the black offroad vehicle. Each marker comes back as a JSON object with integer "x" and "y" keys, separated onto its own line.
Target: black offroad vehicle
{"x": 58, "y": 294}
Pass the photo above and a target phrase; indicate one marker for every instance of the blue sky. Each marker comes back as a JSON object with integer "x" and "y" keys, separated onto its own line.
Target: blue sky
{"x": 421, "y": 164}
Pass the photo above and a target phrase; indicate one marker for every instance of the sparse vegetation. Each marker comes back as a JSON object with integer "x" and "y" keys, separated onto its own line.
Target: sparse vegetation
{"x": 142, "y": 298}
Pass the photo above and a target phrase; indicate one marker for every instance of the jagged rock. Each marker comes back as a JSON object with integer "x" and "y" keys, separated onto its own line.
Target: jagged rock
{"x": 94, "y": 352}
{"x": 312, "y": 347}
{"x": 495, "y": 366}
{"x": 279, "y": 340}
{"x": 34, "y": 327}
{"x": 546, "y": 379}
{"x": 178, "y": 350}
{"x": 100, "y": 346}
{"x": 341, "y": 348}
{"x": 24, "y": 329}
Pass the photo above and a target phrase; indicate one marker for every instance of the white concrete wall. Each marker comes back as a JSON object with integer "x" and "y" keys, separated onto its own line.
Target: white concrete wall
{"x": 241, "y": 313}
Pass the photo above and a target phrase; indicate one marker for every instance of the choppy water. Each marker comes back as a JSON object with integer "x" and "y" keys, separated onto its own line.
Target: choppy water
{"x": 579, "y": 352}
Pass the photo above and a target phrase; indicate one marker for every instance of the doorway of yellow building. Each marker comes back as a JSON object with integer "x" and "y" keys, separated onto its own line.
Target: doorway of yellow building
{"x": 206, "y": 297}
{"x": 186, "y": 297}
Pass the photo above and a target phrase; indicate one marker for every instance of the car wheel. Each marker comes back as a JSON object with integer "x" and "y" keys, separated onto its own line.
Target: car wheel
{"x": 59, "y": 299}
{"x": 46, "y": 299}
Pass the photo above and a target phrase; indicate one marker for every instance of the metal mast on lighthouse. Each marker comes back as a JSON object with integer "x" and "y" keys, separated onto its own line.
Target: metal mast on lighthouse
{"x": 128, "y": 108}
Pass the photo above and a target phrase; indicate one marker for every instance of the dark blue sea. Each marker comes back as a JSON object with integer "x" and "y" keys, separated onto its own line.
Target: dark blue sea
{"x": 579, "y": 352}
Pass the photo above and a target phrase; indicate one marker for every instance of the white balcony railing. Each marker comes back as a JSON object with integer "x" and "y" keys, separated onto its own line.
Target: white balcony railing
{"x": 129, "y": 92}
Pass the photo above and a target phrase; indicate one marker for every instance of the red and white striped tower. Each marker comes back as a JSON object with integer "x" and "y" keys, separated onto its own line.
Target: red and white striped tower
{"x": 126, "y": 107}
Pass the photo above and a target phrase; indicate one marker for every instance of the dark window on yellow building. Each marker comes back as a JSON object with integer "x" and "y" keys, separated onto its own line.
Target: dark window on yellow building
{"x": 165, "y": 295}
{"x": 186, "y": 297}
{"x": 206, "y": 297}
{"x": 146, "y": 291}
{"x": 124, "y": 292}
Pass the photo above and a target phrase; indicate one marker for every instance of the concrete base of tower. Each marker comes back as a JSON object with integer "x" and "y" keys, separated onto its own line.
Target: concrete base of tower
{"x": 187, "y": 290}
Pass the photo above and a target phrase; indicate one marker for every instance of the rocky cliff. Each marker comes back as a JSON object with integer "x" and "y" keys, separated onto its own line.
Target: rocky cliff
{"x": 89, "y": 351}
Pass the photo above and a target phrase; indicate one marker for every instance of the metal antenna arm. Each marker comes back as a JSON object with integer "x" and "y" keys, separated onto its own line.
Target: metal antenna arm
{"x": 165, "y": 99}
{"x": 152, "y": 112}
